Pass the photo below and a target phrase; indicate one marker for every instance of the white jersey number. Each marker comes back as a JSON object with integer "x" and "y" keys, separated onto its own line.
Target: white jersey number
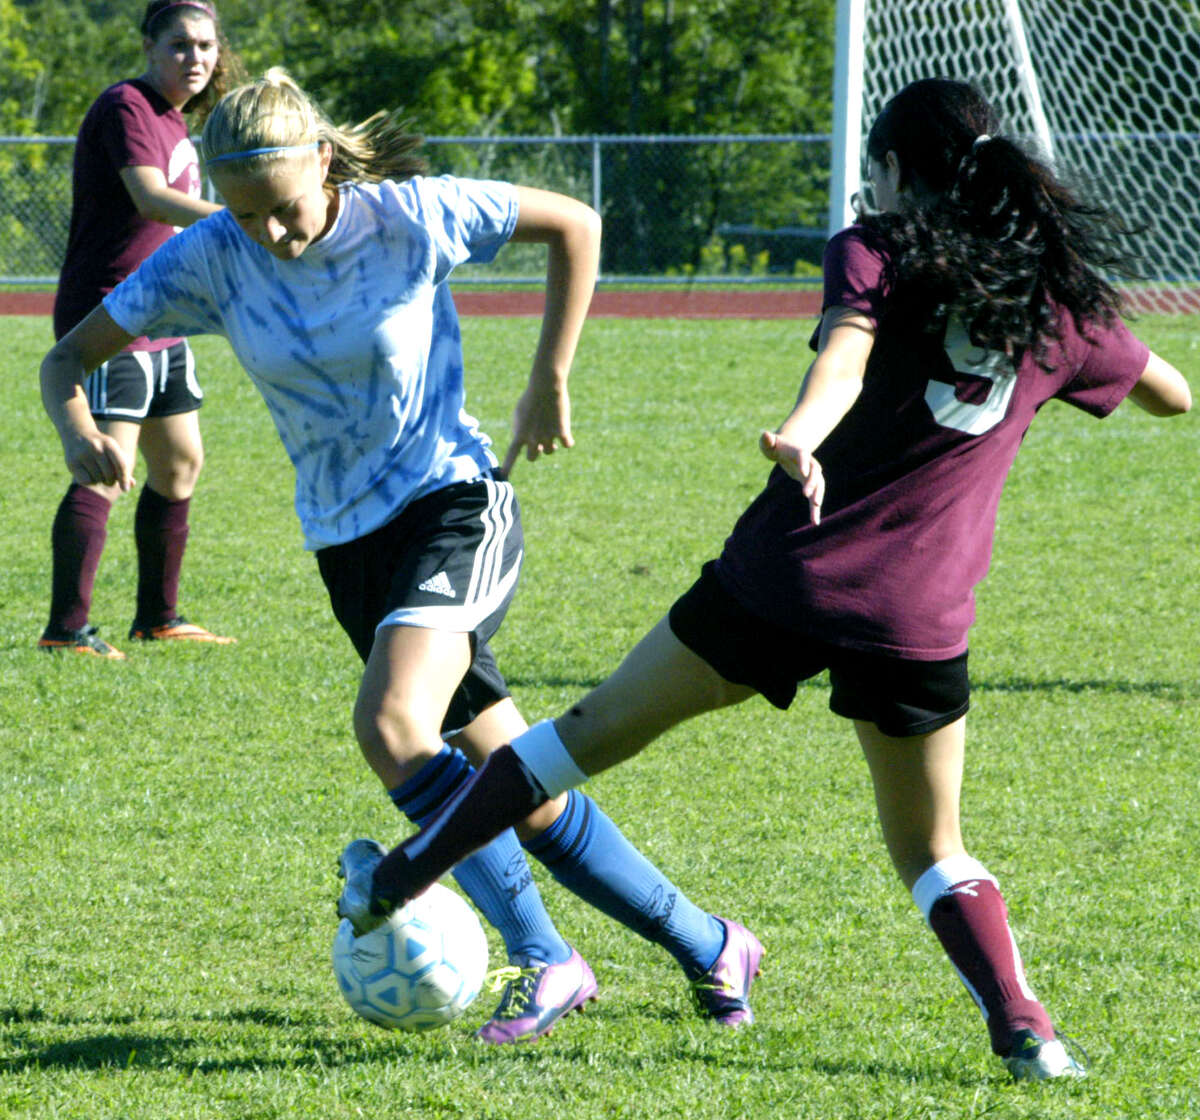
{"x": 993, "y": 365}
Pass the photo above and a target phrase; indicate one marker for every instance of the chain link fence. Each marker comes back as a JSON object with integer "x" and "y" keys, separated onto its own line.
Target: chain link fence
{"x": 676, "y": 208}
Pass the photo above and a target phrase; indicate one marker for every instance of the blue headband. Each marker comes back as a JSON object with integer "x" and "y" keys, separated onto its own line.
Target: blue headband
{"x": 262, "y": 152}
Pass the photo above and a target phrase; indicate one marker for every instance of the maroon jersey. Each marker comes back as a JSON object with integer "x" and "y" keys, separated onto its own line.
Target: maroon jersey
{"x": 129, "y": 125}
{"x": 913, "y": 474}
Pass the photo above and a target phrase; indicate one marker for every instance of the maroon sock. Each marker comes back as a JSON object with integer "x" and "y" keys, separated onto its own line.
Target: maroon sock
{"x": 76, "y": 541}
{"x": 160, "y": 529}
{"x": 971, "y": 921}
{"x": 499, "y": 794}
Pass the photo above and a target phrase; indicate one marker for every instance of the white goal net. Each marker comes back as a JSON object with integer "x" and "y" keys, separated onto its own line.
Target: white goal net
{"x": 1108, "y": 89}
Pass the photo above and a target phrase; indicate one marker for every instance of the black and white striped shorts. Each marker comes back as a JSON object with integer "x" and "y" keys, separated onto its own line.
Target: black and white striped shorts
{"x": 449, "y": 561}
{"x": 138, "y": 384}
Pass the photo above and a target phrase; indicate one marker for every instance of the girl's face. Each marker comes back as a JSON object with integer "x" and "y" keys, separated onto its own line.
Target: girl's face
{"x": 286, "y": 208}
{"x": 885, "y": 182}
{"x": 180, "y": 59}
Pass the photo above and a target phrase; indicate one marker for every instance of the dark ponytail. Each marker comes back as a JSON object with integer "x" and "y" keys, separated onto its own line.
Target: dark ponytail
{"x": 992, "y": 236}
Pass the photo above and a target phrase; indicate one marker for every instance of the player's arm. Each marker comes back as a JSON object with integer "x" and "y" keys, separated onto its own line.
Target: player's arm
{"x": 571, "y": 231}
{"x": 830, "y": 388}
{"x": 92, "y": 457}
{"x": 1161, "y": 390}
{"x": 157, "y": 202}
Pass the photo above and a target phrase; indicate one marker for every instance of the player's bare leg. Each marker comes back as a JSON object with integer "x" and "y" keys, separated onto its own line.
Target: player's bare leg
{"x": 660, "y": 683}
{"x": 918, "y": 785}
{"x": 410, "y": 677}
{"x": 174, "y": 454}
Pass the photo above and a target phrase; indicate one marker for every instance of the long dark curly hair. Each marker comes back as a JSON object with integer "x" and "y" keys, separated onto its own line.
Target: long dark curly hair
{"x": 992, "y": 235}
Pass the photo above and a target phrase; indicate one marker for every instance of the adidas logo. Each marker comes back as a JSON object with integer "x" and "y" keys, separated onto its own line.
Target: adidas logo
{"x": 438, "y": 585}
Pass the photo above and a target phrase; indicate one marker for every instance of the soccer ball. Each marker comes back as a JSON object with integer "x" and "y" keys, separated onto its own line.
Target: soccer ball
{"x": 421, "y": 969}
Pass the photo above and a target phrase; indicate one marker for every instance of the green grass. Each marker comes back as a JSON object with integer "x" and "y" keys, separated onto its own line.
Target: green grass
{"x": 171, "y": 823}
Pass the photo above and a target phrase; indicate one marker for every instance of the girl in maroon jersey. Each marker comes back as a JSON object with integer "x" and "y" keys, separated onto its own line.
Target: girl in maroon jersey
{"x": 137, "y": 180}
{"x": 973, "y": 294}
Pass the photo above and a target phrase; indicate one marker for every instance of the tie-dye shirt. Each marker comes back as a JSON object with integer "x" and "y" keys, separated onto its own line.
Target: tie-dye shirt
{"x": 354, "y": 345}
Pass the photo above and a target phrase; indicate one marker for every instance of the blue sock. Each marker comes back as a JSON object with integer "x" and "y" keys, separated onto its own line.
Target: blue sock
{"x": 496, "y": 878}
{"x": 589, "y": 855}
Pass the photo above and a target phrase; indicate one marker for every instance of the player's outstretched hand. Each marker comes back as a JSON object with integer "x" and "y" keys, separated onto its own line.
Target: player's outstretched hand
{"x": 542, "y": 418}
{"x": 800, "y": 464}
{"x": 98, "y": 458}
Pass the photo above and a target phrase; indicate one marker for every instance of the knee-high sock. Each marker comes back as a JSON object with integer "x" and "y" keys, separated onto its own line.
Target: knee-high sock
{"x": 491, "y": 800}
{"x": 76, "y": 541}
{"x": 496, "y": 877}
{"x": 590, "y": 856}
{"x": 964, "y": 907}
{"x": 160, "y": 529}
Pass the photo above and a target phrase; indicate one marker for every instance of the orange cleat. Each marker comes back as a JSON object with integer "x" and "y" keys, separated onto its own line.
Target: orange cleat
{"x": 176, "y": 630}
{"x": 84, "y": 640}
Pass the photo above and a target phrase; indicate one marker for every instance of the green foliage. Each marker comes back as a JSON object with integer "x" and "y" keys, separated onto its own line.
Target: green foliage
{"x": 81, "y": 46}
{"x": 521, "y": 67}
{"x": 21, "y": 73}
{"x": 171, "y": 822}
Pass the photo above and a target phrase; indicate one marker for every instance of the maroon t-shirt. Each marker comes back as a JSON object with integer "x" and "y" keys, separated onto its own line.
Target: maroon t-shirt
{"x": 913, "y": 475}
{"x": 129, "y": 125}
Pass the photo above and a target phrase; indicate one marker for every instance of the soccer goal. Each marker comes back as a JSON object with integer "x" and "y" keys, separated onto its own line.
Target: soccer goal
{"x": 1109, "y": 90}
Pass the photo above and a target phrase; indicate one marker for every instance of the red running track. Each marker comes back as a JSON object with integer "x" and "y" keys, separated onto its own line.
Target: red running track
{"x": 671, "y": 303}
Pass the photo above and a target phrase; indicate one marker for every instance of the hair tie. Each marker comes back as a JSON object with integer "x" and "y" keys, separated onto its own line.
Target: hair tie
{"x": 980, "y": 140}
{"x": 262, "y": 152}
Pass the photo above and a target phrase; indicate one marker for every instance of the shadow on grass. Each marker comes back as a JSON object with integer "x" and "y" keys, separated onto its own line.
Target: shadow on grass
{"x": 1166, "y": 690}
{"x": 139, "y": 1051}
{"x": 111, "y": 1048}
{"x": 102, "y": 1051}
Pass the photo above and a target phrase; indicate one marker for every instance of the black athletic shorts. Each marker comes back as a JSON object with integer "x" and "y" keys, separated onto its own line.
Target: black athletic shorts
{"x": 449, "y": 561}
{"x": 900, "y": 696}
{"x": 138, "y": 384}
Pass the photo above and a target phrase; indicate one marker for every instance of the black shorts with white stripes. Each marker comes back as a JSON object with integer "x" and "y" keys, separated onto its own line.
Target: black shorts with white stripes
{"x": 449, "y": 561}
{"x": 136, "y": 385}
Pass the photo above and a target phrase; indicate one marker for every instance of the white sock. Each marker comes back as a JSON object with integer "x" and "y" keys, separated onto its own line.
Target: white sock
{"x": 547, "y": 759}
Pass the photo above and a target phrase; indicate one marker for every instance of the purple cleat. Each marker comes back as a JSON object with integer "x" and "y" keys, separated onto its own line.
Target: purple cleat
{"x": 536, "y": 996}
{"x": 722, "y": 993}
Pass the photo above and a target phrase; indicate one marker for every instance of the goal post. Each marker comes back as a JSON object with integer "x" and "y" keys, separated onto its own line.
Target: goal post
{"x": 1108, "y": 90}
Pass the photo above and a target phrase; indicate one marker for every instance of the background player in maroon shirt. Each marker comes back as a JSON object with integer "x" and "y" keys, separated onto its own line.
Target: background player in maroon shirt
{"x": 972, "y": 296}
{"x": 136, "y": 180}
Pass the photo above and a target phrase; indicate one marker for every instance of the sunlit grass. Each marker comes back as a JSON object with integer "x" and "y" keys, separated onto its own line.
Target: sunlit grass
{"x": 171, "y": 822}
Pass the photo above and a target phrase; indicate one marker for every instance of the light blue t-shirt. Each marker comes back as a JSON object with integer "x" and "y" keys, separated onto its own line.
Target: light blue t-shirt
{"x": 354, "y": 345}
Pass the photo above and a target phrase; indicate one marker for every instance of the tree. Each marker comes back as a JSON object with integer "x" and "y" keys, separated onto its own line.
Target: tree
{"x": 21, "y": 73}
{"x": 512, "y": 67}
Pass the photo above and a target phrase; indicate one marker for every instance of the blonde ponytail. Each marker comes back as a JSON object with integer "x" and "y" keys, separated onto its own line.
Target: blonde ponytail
{"x": 267, "y": 120}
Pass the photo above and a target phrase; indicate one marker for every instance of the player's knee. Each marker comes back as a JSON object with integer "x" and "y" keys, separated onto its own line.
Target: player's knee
{"x": 393, "y": 733}
{"x": 176, "y": 478}
{"x": 185, "y": 469}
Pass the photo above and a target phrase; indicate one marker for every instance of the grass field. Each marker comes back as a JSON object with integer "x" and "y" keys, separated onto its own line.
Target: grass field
{"x": 171, "y": 823}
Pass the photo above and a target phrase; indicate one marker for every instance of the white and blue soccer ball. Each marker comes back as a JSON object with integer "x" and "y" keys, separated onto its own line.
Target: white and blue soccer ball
{"x": 421, "y": 969}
